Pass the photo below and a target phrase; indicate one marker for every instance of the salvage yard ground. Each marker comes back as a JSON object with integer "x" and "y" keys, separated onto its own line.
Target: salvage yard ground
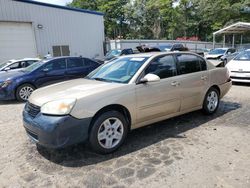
{"x": 193, "y": 150}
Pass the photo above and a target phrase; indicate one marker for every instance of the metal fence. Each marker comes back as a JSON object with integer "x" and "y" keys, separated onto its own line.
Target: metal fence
{"x": 123, "y": 44}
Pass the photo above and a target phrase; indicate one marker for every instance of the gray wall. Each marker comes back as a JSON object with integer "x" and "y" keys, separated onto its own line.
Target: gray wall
{"x": 83, "y": 32}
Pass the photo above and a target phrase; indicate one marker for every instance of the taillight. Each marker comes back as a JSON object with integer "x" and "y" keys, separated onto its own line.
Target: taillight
{"x": 228, "y": 79}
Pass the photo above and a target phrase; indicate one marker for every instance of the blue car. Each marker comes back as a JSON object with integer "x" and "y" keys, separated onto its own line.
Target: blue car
{"x": 20, "y": 84}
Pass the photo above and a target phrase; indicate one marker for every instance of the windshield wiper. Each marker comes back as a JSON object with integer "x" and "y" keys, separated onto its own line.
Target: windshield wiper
{"x": 101, "y": 79}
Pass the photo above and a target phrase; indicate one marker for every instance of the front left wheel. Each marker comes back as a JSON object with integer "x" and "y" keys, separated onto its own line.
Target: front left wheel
{"x": 24, "y": 91}
{"x": 108, "y": 132}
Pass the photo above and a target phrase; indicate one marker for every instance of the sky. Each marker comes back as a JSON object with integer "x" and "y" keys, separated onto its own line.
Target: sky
{"x": 56, "y": 2}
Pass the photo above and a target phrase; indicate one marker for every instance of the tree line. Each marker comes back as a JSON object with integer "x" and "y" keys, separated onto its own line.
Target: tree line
{"x": 166, "y": 19}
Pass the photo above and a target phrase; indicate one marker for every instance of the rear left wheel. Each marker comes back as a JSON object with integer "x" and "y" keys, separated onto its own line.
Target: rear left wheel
{"x": 211, "y": 101}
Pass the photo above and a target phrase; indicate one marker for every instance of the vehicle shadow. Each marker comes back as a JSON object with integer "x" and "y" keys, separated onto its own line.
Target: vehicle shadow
{"x": 241, "y": 84}
{"x": 81, "y": 155}
{"x": 8, "y": 102}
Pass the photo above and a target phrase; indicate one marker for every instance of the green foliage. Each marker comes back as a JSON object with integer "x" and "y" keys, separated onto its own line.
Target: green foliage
{"x": 160, "y": 19}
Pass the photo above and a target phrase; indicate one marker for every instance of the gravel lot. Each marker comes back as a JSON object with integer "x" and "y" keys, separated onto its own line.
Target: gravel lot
{"x": 193, "y": 150}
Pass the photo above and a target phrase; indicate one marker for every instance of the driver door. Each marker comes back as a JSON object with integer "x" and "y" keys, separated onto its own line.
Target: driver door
{"x": 158, "y": 99}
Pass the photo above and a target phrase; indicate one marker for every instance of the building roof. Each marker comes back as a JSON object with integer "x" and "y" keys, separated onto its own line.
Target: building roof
{"x": 61, "y": 7}
{"x": 239, "y": 27}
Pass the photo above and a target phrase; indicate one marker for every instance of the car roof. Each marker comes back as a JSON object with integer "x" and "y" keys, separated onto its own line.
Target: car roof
{"x": 152, "y": 54}
{"x": 25, "y": 59}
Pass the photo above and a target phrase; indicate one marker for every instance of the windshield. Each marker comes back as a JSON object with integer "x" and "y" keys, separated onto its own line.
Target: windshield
{"x": 243, "y": 56}
{"x": 35, "y": 66}
{"x": 120, "y": 70}
{"x": 113, "y": 53}
{"x": 4, "y": 64}
{"x": 165, "y": 47}
{"x": 217, "y": 51}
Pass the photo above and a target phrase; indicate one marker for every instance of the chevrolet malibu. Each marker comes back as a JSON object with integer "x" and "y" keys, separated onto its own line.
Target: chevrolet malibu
{"x": 131, "y": 92}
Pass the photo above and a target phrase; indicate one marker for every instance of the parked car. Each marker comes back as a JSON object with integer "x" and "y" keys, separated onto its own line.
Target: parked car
{"x": 116, "y": 52}
{"x": 162, "y": 48}
{"x": 228, "y": 57}
{"x": 20, "y": 84}
{"x": 239, "y": 67}
{"x": 122, "y": 95}
{"x": 17, "y": 64}
{"x": 217, "y": 53}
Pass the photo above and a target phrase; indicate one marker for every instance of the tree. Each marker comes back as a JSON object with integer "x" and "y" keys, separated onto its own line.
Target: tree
{"x": 160, "y": 19}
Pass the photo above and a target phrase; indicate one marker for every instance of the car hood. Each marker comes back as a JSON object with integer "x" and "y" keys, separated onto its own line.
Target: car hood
{"x": 76, "y": 89}
{"x": 242, "y": 66}
{"x": 9, "y": 75}
{"x": 213, "y": 55}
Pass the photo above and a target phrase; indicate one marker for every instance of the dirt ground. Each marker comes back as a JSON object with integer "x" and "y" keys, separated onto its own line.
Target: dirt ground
{"x": 193, "y": 150}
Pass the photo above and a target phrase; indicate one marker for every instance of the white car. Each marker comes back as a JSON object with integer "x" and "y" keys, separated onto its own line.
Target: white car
{"x": 217, "y": 53}
{"x": 239, "y": 67}
{"x": 17, "y": 64}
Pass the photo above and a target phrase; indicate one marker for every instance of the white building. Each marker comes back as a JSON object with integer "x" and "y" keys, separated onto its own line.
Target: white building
{"x": 29, "y": 29}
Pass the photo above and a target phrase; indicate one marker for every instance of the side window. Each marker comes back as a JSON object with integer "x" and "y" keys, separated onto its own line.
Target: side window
{"x": 15, "y": 65}
{"x": 188, "y": 63}
{"x": 203, "y": 64}
{"x": 231, "y": 50}
{"x": 163, "y": 67}
{"x": 88, "y": 62}
{"x": 28, "y": 63}
{"x": 58, "y": 64}
{"x": 23, "y": 64}
{"x": 74, "y": 63}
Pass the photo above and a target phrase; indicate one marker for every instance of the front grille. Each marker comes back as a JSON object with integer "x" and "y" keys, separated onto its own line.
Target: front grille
{"x": 241, "y": 71}
{"x": 32, "y": 109}
{"x": 32, "y": 135}
{"x": 240, "y": 78}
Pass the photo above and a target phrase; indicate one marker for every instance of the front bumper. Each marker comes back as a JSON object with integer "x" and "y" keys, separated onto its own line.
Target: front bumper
{"x": 56, "y": 131}
{"x": 7, "y": 93}
{"x": 240, "y": 77}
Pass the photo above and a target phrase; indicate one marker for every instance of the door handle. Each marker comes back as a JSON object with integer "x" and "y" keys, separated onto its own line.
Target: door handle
{"x": 204, "y": 77}
{"x": 175, "y": 84}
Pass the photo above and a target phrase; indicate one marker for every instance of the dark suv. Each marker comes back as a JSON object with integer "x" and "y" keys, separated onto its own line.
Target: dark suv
{"x": 20, "y": 84}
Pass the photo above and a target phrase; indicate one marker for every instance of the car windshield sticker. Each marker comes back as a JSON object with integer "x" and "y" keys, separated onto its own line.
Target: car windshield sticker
{"x": 137, "y": 59}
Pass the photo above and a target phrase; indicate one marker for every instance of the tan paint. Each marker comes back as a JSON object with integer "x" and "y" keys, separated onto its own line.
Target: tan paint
{"x": 147, "y": 103}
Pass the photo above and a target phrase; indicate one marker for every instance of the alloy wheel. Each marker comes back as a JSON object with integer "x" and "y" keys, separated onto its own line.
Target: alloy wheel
{"x": 25, "y": 92}
{"x": 212, "y": 101}
{"x": 110, "y": 133}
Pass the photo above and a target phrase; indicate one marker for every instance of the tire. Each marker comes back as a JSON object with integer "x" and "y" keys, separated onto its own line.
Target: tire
{"x": 211, "y": 101}
{"x": 108, "y": 132}
{"x": 24, "y": 91}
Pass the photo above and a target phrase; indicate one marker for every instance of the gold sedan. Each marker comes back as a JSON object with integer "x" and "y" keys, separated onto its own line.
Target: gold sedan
{"x": 124, "y": 94}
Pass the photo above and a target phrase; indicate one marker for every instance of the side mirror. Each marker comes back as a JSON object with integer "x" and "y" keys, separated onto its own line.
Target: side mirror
{"x": 228, "y": 53}
{"x": 45, "y": 70}
{"x": 150, "y": 78}
{"x": 7, "y": 69}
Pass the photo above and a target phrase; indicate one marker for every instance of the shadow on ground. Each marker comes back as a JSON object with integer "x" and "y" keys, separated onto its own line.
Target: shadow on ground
{"x": 8, "y": 102}
{"x": 81, "y": 155}
{"x": 241, "y": 84}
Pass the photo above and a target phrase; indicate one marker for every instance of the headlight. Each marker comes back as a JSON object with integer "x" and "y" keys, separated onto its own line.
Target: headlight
{"x": 5, "y": 83}
{"x": 58, "y": 107}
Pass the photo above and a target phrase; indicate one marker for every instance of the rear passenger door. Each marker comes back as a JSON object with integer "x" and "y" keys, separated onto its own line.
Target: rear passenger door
{"x": 52, "y": 72}
{"x": 90, "y": 65}
{"x": 79, "y": 67}
{"x": 193, "y": 80}
{"x": 75, "y": 68}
